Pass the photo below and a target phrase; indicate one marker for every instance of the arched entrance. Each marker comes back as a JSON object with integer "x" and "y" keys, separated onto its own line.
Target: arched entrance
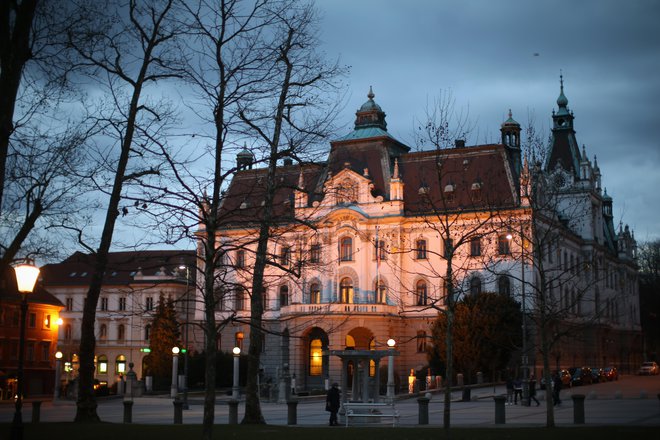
{"x": 316, "y": 358}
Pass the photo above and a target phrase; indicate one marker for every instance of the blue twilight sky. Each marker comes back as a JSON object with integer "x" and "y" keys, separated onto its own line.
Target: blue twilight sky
{"x": 507, "y": 54}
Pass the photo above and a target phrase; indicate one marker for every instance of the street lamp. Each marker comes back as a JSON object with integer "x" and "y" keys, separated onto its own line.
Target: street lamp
{"x": 26, "y": 278}
{"x": 524, "y": 360}
{"x": 185, "y": 339}
{"x": 175, "y": 369}
{"x": 234, "y": 388}
{"x": 390, "y": 369}
{"x": 58, "y": 365}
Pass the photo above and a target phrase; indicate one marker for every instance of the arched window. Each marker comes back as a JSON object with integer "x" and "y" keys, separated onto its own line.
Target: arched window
{"x": 346, "y": 249}
{"x": 350, "y": 342}
{"x": 346, "y": 291}
{"x": 381, "y": 293}
{"x": 504, "y": 285}
{"x": 147, "y": 332}
{"x": 103, "y": 364}
{"x": 314, "y": 294}
{"x": 475, "y": 286}
{"x": 284, "y": 296}
{"x": 103, "y": 331}
{"x": 315, "y": 357}
{"x": 120, "y": 364}
{"x": 421, "y": 293}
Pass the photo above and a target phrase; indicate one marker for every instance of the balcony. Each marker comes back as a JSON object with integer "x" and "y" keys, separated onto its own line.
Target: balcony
{"x": 338, "y": 309}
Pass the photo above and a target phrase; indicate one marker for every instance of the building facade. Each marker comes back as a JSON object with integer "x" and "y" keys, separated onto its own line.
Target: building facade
{"x": 361, "y": 244}
{"x": 132, "y": 286}
{"x": 40, "y": 339}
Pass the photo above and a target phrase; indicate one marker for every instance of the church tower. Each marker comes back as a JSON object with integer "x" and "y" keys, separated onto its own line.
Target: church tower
{"x": 564, "y": 150}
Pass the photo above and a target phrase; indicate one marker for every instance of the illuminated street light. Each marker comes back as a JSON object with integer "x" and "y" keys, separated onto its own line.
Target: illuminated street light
{"x": 390, "y": 369}
{"x": 58, "y": 372}
{"x": 175, "y": 369}
{"x": 26, "y": 278}
{"x": 234, "y": 389}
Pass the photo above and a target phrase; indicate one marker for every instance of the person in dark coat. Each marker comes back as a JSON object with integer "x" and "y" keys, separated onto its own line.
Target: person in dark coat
{"x": 532, "y": 390}
{"x": 556, "y": 388}
{"x": 332, "y": 403}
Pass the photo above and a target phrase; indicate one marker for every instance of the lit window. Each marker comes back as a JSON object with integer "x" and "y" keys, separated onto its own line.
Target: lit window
{"x": 120, "y": 364}
{"x": 346, "y": 294}
{"x": 103, "y": 364}
{"x": 314, "y": 294}
{"x": 315, "y": 357}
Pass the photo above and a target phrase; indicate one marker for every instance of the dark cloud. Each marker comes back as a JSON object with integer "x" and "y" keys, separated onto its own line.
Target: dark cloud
{"x": 485, "y": 52}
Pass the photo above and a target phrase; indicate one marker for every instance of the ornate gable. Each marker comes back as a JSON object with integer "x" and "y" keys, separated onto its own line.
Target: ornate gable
{"x": 349, "y": 188}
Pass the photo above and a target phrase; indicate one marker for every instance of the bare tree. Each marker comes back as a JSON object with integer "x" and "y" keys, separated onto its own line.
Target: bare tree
{"x": 125, "y": 50}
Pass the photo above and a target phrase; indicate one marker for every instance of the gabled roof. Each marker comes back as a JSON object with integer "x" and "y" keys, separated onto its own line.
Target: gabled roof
{"x": 123, "y": 268}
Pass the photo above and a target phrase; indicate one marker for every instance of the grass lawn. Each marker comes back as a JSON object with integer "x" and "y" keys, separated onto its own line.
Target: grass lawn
{"x": 110, "y": 431}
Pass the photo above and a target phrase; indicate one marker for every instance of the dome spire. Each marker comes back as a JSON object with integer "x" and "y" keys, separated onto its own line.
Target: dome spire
{"x": 562, "y": 101}
{"x": 370, "y": 114}
{"x": 371, "y": 95}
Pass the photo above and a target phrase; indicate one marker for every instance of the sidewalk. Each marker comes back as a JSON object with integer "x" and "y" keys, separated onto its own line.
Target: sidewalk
{"x": 606, "y": 404}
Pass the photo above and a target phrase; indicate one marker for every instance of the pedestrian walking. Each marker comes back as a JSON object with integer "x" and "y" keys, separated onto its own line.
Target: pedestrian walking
{"x": 517, "y": 391}
{"x": 532, "y": 390}
{"x": 556, "y": 388}
{"x": 509, "y": 390}
{"x": 332, "y": 403}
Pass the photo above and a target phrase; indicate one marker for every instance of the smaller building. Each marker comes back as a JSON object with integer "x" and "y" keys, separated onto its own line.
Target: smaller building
{"x": 41, "y": 328}
{"x": 132, "y": 286}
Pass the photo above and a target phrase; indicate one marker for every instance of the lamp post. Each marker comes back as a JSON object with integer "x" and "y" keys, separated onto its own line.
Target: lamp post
{"x": 234, "y": 388}
{"x": 524, "y": 358}
{"x": 26, "y": 277}
{"x": 390, "y": 369}
{"x": 175, "y": 369}
{"x": 58, "y": 372}
{"x": 185, "y": 339}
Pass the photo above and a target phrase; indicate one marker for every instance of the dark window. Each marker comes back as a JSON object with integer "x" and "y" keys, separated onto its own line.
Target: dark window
{"x": 315, "y": 253}
{"x": 421, "y": 293}
{"x": 149, "y": 305}
{"x": 475, "y": 286}
{"x": 475, "y": 246}
{"x": 421, "y": 342}
{"x": 285, "y": 256}
{"x": 381, "y": 293}
{"x": 147, "y": 332}
{"x": 69, "y": 304}
{"x": 121, "y": 332}
{"x": 122, "y": 303}
{"x": 104, "y": 304}
{"x": 284, "y": 296}
{"x": 32, "y": 320}
{"x": 503, "y": 244}
{"x": 504, "y": 285}
{"x": 103, "y": 331}
{"x": 381, "y": 253}
{"x": 239, "y": 299}
{"x": 346, "y": 249}
{"x": 240, "y": 259}
{"x": 67, "y": 332}
{"x": 420, "y": 248}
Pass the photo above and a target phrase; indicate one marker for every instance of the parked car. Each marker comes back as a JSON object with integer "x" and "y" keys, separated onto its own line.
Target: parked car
{"x": 597, "y": 375}
{"x": 582, "y": 376}
{"x": 565, "y": 379}
{"x": 611, "y": 373}
{"x": 649, "y": 368}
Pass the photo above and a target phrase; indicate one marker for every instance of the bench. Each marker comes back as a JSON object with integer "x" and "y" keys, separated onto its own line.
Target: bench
{"x": 370, "y": 411}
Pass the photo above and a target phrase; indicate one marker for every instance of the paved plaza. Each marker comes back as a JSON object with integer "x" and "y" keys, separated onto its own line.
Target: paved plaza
{"x": 630, "y": 401}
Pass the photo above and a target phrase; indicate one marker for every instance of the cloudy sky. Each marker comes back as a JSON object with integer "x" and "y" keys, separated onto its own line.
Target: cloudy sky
{"x": 507, "y": 54}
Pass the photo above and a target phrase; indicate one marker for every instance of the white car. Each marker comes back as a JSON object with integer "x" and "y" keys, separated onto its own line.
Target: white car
{"x": 649, "y": 368}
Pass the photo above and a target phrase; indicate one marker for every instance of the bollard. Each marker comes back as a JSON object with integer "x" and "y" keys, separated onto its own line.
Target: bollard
{"x": 178, "y": 411}
{"x": 36, "y": 411}
{"x": 291, "y": 414}
{"x": 500, "y": 414}
{"x": 423, "y": 403}
{"x": 128, "y": 411}
{"x": 578, "y": 409}
{"x": 466, "y": 394}
{"x": 233, "y": 412}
